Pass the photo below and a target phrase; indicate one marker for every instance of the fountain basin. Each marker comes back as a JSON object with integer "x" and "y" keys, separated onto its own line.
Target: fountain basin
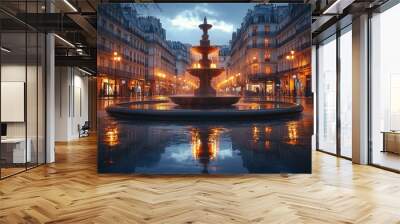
{"x": 204, "y": 101}
{"x": 166, "y": 110}
{"x": 207, "y": 72}
{"x": 205, "y": 49}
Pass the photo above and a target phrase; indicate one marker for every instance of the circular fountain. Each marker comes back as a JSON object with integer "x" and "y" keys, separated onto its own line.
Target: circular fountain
{"x": 204, "y": 104}
{"x": 205, "y": 95}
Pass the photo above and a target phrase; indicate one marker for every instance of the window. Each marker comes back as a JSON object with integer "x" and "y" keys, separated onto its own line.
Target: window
{"x": 267, "y": 57}
{"x": 266, "y": 42}
{"x": 327, "y": 96}
{"x": 254, "y": 59}
{"x": 268, "y": 69}
{"x": 254, "y": 69}
{"x": 346, "y": 94}
{"x": 22, "y": 65}
{"x": 385, "y": 89}
{"x": 334, "y": 124}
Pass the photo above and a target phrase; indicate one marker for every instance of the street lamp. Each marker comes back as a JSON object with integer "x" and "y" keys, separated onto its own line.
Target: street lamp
{"x": 290, "y": 58}
{"x": 116, "y": 58}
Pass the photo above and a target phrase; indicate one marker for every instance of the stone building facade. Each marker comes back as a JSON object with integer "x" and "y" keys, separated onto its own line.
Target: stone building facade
{"x": 270, "y": 54}
{"x": 120, "y": 38}
{"x": 148, "y": 62}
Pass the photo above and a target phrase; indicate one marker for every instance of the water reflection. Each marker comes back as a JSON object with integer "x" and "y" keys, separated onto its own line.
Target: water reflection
{"x": 292, "y": 133}
{"x": 111, "y": 136}
{"x": 278, "y": 145}
{"x": 205, "y": 145}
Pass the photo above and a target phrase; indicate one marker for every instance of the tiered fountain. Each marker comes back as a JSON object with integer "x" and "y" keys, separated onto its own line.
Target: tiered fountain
{"x": 205, "y": 95}
{"x": 205, "y": 104}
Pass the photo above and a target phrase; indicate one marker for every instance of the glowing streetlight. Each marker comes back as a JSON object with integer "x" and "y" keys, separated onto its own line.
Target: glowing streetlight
{"x": 116, "y": 58}
{"x": 291, "y": 58}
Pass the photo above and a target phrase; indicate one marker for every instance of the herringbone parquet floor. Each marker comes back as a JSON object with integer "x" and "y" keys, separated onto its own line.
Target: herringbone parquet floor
{"x": 71, "y": 191}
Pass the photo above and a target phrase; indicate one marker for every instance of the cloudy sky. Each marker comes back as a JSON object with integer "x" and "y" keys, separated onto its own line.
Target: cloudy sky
{"x": 181, "y": 20}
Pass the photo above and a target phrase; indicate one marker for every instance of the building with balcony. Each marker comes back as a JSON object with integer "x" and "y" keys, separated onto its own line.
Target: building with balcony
{"x": 223, "y": 62}
{"x": 162, "y": 61}
{"x": 294, "y": 52}
{"x": 253, "y": 50}
{"x": 182, "y": 54}
{"x": 183, "y": 62}
{"x": 133, "y": 54}
{"x": 123, "y": 52}
{"x": 259, "y": 48}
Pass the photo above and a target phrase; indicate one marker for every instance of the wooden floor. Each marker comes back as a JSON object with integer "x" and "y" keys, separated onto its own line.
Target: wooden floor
{"x": 71, "y": 191}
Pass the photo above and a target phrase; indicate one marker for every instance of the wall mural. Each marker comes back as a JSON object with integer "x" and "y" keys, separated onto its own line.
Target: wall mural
{"x": 195, "y": 88}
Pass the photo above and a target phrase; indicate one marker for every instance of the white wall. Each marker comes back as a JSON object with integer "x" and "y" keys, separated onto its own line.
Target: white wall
{"x": 33, "y": 127}
{"x": 12, "y": 73}
{"x": 13, "y": 101}
{"x": 16, "y": 73}
{"x": 61, "y": 103}
{"x": 71, "y": 102}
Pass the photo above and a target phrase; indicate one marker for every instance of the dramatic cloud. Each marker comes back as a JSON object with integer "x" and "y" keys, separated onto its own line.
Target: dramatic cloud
{"x": 189, "y": 19}
{"x": 181, "y": 20}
